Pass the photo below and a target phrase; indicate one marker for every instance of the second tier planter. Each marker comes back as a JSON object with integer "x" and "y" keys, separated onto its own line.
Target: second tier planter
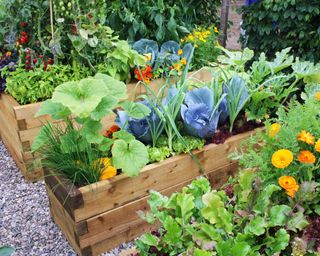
{"x": 99, "y": 217}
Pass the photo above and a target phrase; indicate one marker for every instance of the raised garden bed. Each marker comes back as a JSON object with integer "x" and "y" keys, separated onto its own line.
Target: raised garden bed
{"x": 99, "y": 217}
{"x": 19, "y": 127}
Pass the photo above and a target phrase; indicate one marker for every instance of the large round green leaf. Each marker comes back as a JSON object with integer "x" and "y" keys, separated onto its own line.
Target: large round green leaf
{"x": 116, "y": 88}
{"x": 81, "y": 97}
{"x": 130, "y": 157}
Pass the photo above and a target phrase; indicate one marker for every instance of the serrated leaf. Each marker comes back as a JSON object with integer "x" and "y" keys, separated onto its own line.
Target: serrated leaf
{"x": 278, "y": 215}
{"x": 130, "y": 157}
{"x": 263, "y": 200}
{"x": 149, "y": 239}
{"x": 186, "y": 205}
{"x": 256, "y": 226}
{"x": 173, "y": 231}
{"x": 277, "y": 243}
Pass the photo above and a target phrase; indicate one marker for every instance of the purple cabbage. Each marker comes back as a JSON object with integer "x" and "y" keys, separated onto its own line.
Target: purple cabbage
{"x": 140, "y": 128}
{"x": 199, "y": 116}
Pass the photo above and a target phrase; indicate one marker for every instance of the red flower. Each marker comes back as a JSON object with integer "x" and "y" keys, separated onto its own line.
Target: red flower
{"x": 24, "y": 33}
{"x": 24, "y": 24}
{"x": 50, "y": 61}
{"x": 145, "y": 72}
{"x": 28, "y": 57}
{"x": 35, "y": 61}
{"x": 41, "y": 56}
{"x": 112, "y": 129}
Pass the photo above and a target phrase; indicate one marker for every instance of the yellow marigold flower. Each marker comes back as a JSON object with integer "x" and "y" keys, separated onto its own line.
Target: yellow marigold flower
{"x": 317, "y": 95}
{"x": 177, "y": 66}
{"x": 289, "y": 184}
{"x": 317, "y": 146}
{"x": 180, "y": 52}
{"x": 274, "y": 129}
{"x": 215, "y": 29}
{"x": 9, "y": 54}
{"x": 183, "y": 61}
{"x": 306, "y": 157}
{"x": 191, "y": 37}
{"x": 306, "y": 137}
{"x": 148, "y": 56}
{"x": 282, "y": 158}
{"x": 108, "y": 171}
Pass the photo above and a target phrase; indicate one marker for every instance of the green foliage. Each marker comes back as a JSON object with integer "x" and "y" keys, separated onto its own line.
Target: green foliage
{"x": 159, "y": 20}
{"x": 270, "y": 83}
{"x": 205, "y": 221}
{"x": 88, "y": 101}
{"x": 38, "y": 85}
{"x": 157, "y": 154}
{"x": 294, "y": 119}
{"x": 6, "y": 250}
{"x": 273, "y": 25}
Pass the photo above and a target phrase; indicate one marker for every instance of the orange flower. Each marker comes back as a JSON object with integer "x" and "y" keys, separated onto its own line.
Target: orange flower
{"x": 306, "y": 157}
{"x": 108, "y": 170}
{"x": 317, "y": 95}
{"x": 183, "y": 61}
{"x": 180, "y": 52}
{"x": 306, "y": 137}
{"x": 282, "y": 158}
{"x": 112, "y": 129}
{"x": 274, "y": 129}
{"x": 317, "y": 146}
{"x": 9, "y": 54}
{"x": 289, "y": 184}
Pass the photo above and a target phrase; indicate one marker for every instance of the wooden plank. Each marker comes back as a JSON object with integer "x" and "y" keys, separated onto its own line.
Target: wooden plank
{"x": 9, "y": 103}
{"x": 12, "y": 141}
{"x": 112, "y": 222}
{"x": 63, "y": 220}
{"x": 128, "y": 235}
{"x": 9, "y": 116}
{"x": 26, "y": 111}
{"x": 106, "y": 195}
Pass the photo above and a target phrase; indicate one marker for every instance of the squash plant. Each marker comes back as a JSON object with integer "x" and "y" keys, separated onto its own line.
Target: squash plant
{"x": 82, "y": 105}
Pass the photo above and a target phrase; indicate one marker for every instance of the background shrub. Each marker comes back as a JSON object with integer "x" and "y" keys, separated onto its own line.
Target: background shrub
{"x": 159, "y": 20}
{"x": 272, "y": 25}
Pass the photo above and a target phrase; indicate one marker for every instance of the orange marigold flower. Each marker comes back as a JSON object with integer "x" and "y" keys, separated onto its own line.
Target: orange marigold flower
{"x": 108, "y": 170}
{"x": 289, "y": 184}
{"x": 317, "y": 95}
{"x": 306, "y": 137}
{"x": 317, "y": 146}
{"x": 306, "y": 157}
{"x": 282, "y": 158}
{"x": 183, "y": 61}
{"x": 180, "y": 52}
{"x": 274, "y": 129}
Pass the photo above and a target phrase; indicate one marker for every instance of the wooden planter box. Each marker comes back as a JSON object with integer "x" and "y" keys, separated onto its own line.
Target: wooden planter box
{"x": 19, "y": 127}
{"x": 99, "y": 217}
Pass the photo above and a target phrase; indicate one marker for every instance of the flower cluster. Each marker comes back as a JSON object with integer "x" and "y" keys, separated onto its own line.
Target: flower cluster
{"x": 282, "y": 158}
{"x": 199, "y": 35}
{"x": 144, "y": 74}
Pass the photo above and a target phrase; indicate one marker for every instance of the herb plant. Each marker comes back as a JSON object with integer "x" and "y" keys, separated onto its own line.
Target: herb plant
{"x": 88, "y": 101}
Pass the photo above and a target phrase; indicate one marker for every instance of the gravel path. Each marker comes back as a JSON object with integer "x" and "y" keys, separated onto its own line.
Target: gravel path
{"x": 25, "y": 221}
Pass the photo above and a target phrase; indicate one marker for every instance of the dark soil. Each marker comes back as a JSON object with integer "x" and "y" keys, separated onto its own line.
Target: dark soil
{"x": 240, "y": 126}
